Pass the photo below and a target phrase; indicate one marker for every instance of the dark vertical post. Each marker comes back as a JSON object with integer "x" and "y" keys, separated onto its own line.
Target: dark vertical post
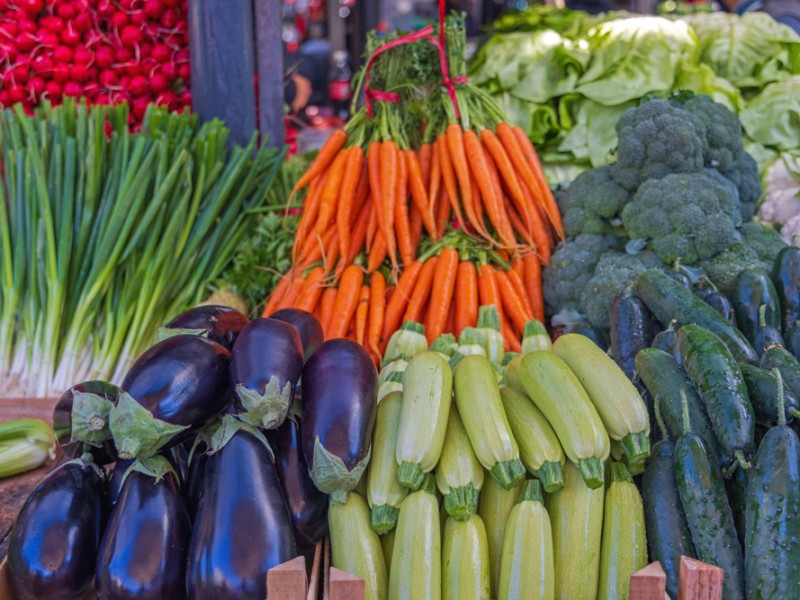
{"x": 269, "y": 55}
{"x": 222, "y": 54}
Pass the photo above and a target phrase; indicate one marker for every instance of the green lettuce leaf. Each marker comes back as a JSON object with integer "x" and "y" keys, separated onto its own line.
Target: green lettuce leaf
{"x": 773, "y": 117}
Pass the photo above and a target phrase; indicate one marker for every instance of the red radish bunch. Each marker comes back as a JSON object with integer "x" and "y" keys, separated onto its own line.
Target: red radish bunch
{"x": 108, "y": 51}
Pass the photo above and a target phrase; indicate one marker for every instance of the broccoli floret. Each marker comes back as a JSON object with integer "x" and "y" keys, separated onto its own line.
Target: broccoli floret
{"x": 591, "y": 201}
{"x": 689, "y": 217}
{"x": 614, "y": 273}
{"x": 655, "y": 139}
{"x": 571, "y": 267}
{"x": 766, "y": 242}
{"x": 745, "y": 176}
{"x": 724, "y": 267}
{"x": 722, "y": 143}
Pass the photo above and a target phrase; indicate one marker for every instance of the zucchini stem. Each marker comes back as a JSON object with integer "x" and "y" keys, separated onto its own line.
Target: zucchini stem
{"x": 383, "y": 518}
{"x": 551, "y": 476}
{"x": 461, "y": 502}
{"x": 781, "y": 400}
{"x": 687, "y": 426}
{"x": 662, "y": 427}
{"x": 508, "y": 473}
{"x": 592, "y": 471}
{"x": 410, "y": 475}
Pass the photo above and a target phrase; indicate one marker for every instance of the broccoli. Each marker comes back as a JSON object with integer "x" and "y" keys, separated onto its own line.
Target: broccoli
{"x": 655, "y": 139}
{"x": 745, "y": 176}
{"x": 689, "y": 217}
{"x": 571, "y": 266}
{"x": 591, "y": 201}
{"x": 722, "y": 139}
{"x": 724, "y": 267}
{"x": 614, "y": 273}
{"x": 765, "y": 240}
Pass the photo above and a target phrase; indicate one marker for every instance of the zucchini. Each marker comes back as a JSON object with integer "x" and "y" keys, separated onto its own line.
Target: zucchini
{"x": 557, "y": 393}
{"x": 427, "y": 389}
{"x": 481, "y": 409}
{"x": 786, "y": 277}
{"x": 535, "y": 337}
{"x": 762, "y": 388}
{"x": 668, "y": 536}
{"x": 576, "y": 518}
{"x": 772, "y": 522}
{"x": 511, "y": 373}
{"x": 387, "y": 543}
{"x": 488, "y": 327}
{"x": 624, "y": 547}
{"x": 408, "y": 341}
{"x": 718, "y": 379}
{"x": 668, "y": 300}
{"x": 465, "y": 560}
{"x": 446, "y": 345}
{"x": 631, "y": 330}
{"x": 384, "y": 492}
{"x": 416, "y": 571}
{"x": 527, "y": 571}
{"x": 753, "y": 296}
{"x": 780, "y": 358}
{"x": 355, "y": 547}
{"x": 617, "y": 401}
{"x": 708, "y": 512}
{"x": 390, "y": 378}
{"x": 720, "y": 303}
{"x": 459, "y": 475}
{"x": 665, "y": 379}
{"x": 539, "y": 448}
{"x": 494, "y": 507}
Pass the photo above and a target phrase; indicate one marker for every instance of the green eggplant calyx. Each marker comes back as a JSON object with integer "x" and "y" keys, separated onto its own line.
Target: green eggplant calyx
{"x": 137, "y": 433}
{"x": 331, "y": 475}
{"x": 90, "y": 416}
{"x": 266, "y": 410}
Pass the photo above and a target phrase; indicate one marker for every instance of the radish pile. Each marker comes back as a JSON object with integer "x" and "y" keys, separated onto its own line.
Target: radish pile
{"x": 108, "y": 51}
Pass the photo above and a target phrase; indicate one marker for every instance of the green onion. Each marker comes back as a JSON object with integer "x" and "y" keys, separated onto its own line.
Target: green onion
{"x": 24, "y": 445}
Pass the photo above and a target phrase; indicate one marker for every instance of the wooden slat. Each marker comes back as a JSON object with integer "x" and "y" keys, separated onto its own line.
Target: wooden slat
{"x": 288, "y": 581}
{"x": 5, "y": 585}
{"x": 344, "y": 586}
{"x": 649, "y": 583}
{"x": 269, "y": 60}
{"x": 699, "y": 580}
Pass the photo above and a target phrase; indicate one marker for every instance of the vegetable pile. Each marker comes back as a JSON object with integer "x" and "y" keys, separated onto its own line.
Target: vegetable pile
{"x": 107, "y": 51}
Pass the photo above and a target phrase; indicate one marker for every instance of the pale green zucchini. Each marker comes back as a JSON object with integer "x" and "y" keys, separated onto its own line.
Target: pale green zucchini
{"x": 384, "y": 492}
{"x": 494, "y": 506}
{"x": 459, "y": 475}
{"x": 465, "y": 560}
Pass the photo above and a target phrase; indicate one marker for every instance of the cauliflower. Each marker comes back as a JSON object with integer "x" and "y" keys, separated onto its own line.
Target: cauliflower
{"x": 782, "y": 190}
{"x": 591, "y": 201}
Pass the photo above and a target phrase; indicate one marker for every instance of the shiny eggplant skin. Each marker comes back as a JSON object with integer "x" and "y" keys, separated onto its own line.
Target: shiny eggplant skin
{"x": 182, "y": 380}
{"x": 143, "y": 552}
{"x": 242, "y": 527}
{"x": 307, "y": 325}
{"x": 220, "y": 324}
{"x": 340, "y": 386}
{"x": 115, "y": 480}
{"x": 720, "y": 303}
{"x": 62, "y": 422}
{"x": 630, "y": 331}
{"x": 308, "y": 506}
{"x": 54, "y": 542}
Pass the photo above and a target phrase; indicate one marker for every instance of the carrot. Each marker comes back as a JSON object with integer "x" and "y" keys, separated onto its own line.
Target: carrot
{"x": 377, "y": 253}
{"x": 308, "y": 217}
{"x": 478, "y": 205}
{"x": 515, "y": 276}
{"x": 315, "y": 249}
{"x": 398, "y": 300}
{"x": 331, "y": 253}
{"x": 374, "y": 174}
{"x": 422, "y": 291}
{"x": 312, "y": 290}
{"x": 362, "y": 310}
{"x": 372, "y": 224}
{"x": 377, "y": 308}
{"x": 442, "y": 293}
{"x": 362, "y": 192}
{"x": 389, "y": 176}
{"x": 510, "y": 338}
{"x": 533, "y": 160}
{"x": 443, "y": 213}
{"x": 415, "y": 223}
{"x": 489, "y": 290}
{"x": 435, "y": 186}
{"x": 402, "y": 226}
{"x": 293, "y": 291}
{"x": 449, "y": 324}
{"x": 416, "y": 186}
{"x": 277, "y": 295}
{"x": 346, "y": 300}
{"x": 326, "y": 308}
{"x": 513, "y": 305}
{"x": 449, "y": 177}
{"x": 359, "y": 233}
{"x": 517, "y": 224}
{"x": 454, "y": 137}
{"x": 330, "y": 192}
{"x": 328, "y": 152}
{"x": 466, "y": 297}
{"x": 424, "y": 155}
{"x": 533, "y": 283}
{"x": 347, "y": 196}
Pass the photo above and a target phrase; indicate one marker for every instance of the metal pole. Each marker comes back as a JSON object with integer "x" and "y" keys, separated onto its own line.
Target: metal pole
{"x": 269, "y": 59}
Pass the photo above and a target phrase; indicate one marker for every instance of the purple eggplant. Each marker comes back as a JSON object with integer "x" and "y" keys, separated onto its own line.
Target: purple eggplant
{"x": 306, "y": 324}
{"x": 308, "y": 506}
{"x": 143, "y": 552}
{"x": 242, "y": 527}
{"x": 175, "y": 388}
{"x": 220, "y": 324}
{"x": 266, "y": 364}
{"x": 54, "y": 542}
{"x": 340, "y": 385}
{"x": 115, "y": 481}
{"x": 80, "y": 421}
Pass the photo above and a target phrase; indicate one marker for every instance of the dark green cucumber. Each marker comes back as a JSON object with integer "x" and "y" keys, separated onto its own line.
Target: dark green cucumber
{"x": 753, "y": 289}
{"x": 772, "y": 528}
{"x": 736, "y": 488}
{"x": 630, "y": 330}
{"x": 791, "y": 340}
{"x": 718, "y": 379}
{"x": 762, "y": 389}
{"x": 664, "y": 378}
{"x": 778, "y": 357}
{"x": 668, "y": 300}
{"x": 668, "y": 535}
{"x": 786, "y": 277}
{"x": 765, "y": 338}
{"x": 720, "y": 303}
{"x": 708, "y": 513}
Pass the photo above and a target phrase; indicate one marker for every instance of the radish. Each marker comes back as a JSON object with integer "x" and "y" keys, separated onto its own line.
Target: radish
{"x": 54, "y": 90}
{"x": 73, "y": 89}
{"x": 63, "y": 54}
{"x": 119, "y": 20}
{"x": 104, "y": 56}
{"x": 25, "y": 42}
{"x": 70, "y": 37}
{"x": 61, "y": 73}
{"x": 83, "y": 55}
{"x": 79, "y": 73}
{"x": 130, "y": 35}
{"x": 139, "y": 85}
{"x": 154, "y": 9}
{"x": 32, "y": 7}
{"x": 36, "y": 86}
{"x": 158, "y": 82}
{"x": 66, "y": 10}
{"x": 42, "y": 64}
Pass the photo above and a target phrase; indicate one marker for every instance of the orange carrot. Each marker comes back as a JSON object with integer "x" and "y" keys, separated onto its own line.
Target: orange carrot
{"x": 347, "y": 196}
{"x": 449, "y": 325}
{"x": 277, "y": 295}
{"x": 402, "y": 227}
{"x": 513, "y": 305}
{"x": 398, "y": 300}
{"x": 316, "y": 249}
{"x": 312, "y": 290}
{"x": 442, "y": 293}
{"x": 510, "y": 338}
{"x": 362, "y": 192}
{"x": 359, "y": 232}
{"x": 519, "y": 286}
{"x": 517, "y": 224}
{"x": 533, "y": 283}
{"x": 443, "y": 213}
{"x": 489, "y": 291}
{"x": 375, "y": 184}
{"x": 361, "y": 314}
{"x": 331, "y": 191}
{"x": 308, "y": 217}
{"x": 377, "y": 253}
{"x": 417, "y": 188}
{"x": 466, "y": 312}
{"x": 435, "y": 185}
{"x": 415, "y": 223}
{"x": 377, "y": 308}
{"x": 325, "y": 157}
{"x": 346, "y": 299}
{"x": 422, "y": 291}
{"x": 293, "y": 291}
{"x": 533, "y": 160}
{"x": 389, "y": 175}
{"x": 326, "y": 308}
{"x": 372, "y": 224}
{"x": 424, "y": 154}
{"x": 449, "y": 177}
{"x": 331, "y": 253}
{"x": 477, "y": 205}
{"x": 519, "y": 267}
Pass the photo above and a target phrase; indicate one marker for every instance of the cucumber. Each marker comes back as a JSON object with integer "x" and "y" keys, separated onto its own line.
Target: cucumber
{"x": 668, "y": 300}
{"x": 778, "y": 357}
{"x": 624, "y": 546}
{"x": 786, "y": 277}
{"x": 494, "y": 507}
{"x": 630, "y": 330}
{"x": 465, "y": 560}
{"x": 668, "y": 535}
{"x": 791, "y": 340}
{"x": 665, "y": 379}
{"x": 752, "y": 290}
{"x": 718, "y": 379}
{"x": 576, "y": 519}
{"x": 708, "y": 513}
{"x": 720, "y": 303}
{"x": 665, "y": 340}
{"x": 762, "y": 388}
{"x": 766, "y": 337}
{"x": 736, "y": 488}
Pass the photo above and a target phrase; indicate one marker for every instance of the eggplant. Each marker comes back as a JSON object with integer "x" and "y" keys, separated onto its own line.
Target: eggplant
{"x": 308, "y": 506}
{"x": 143, "y": 551}
{"x": 242, "y": 527}
{"x": 53, "y": 545}
{"x": 176, "y": 388}
{"x": 630, "y": 331}
{"x": 80, "y": 421}
{"x": 266, "y": 364}
{"x": 786, "y": 278}
{"x": 194, "y": 480}
{"x": 220, "y": 324}
{"x": 720, "y": 303}
{"x": 307, "y": 325}
{"x": 593, "y": 333}
{"x": 766, "y": 337}
{"x": 115, "y": 480}
{"x": 340, "y": 385}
